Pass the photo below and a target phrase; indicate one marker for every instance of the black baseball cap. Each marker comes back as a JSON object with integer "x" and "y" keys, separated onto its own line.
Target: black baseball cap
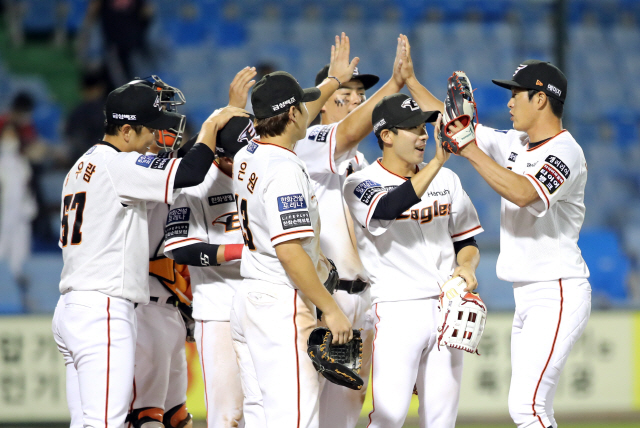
{"x": 276, "y": 92}
{"x": 539, "y": 75}
{"x": 399, "y": 111}
{"x": 236, "y": 134}
{"x": 368, "y": 80}
{"x": 139, "y": 104}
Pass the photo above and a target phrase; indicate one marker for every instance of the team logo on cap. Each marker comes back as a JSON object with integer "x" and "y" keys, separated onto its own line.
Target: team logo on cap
{"x": 124, "y": 116}
{"x": 411, "y": 104}
{"x": 378, "y": 125}
{"x": 157, "y": 104}
{"x": 248, "y": 134}
{"x": 355, "y": 71}
{"x": 283, "y": 104}
{"x": 553, "y": 89}
{"x": 519, "y": 68}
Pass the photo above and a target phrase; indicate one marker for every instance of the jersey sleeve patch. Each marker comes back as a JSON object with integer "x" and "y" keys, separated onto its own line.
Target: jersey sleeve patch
{"x": 320, "y": 133}
{"x": 160, "y": 163}
{"x": 179, "y": 215}
{"x": 179, "y": 230}
{"x": 252, "y": 147}
{"x": 559, "y": 165}
{"x": 297, "y": 219}
{"x": 145, "y": 160}
{"x": 550, "y": 178}
{"x": 221, "y": 199}
{"x": 291, "y": 202}
{"x": 513, "y": 156}
{"x": 366, "y": 190}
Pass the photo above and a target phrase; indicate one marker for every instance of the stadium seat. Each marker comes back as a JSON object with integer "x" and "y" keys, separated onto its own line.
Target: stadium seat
{"x": 607, "y": 263}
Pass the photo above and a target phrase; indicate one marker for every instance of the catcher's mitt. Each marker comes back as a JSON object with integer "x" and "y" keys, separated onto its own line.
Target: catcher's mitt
{"x": 330, "y": 284}
{"x": 340, "y": 364}
{"x": 458, "y": 105}
{"x": 462, "y": 317}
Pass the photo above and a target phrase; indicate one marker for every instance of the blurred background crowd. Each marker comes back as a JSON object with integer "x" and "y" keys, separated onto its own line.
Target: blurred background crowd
{"x": 60, "y": 58}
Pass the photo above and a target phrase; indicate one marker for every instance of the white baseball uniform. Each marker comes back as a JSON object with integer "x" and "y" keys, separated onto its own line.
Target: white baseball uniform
{"x": 207, "y": 213}
{"x": 339, "y": 406}
{"x": 160, "y": 376}
{"x": 270, "y": 319}
{"x": 104, "y": 241}
{"x": 406, "y": 260}
{"x": 539, "y": 253}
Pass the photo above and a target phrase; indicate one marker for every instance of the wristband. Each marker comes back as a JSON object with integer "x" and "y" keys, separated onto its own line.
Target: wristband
{"x": 334, "y": 77}
{"x": 232, "y": 252}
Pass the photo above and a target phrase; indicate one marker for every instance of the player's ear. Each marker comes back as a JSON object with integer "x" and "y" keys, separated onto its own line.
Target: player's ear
{"x": 126, "y": 130}
{"x": 293, "y": 113}
{"x": 385, "y": 135}
{"x": 541, "y": 100}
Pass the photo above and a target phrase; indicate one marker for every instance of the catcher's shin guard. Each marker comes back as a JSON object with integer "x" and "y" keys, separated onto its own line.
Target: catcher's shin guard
{"x": 178, "y": 417}
{"x": 147, "y": 417}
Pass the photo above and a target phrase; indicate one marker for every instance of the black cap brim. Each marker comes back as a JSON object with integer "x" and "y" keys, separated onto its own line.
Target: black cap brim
{"x": 508, "y": 84}
{"x": 368, "y": 80}
{"x": 167, "y": 120}
{"x": 419, "y": 119}
{"x": 310, "y": 94}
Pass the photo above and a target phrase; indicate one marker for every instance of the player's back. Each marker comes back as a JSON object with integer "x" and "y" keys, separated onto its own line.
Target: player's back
{"x": 276, "y": 203}
{"x": 104, "y": 236}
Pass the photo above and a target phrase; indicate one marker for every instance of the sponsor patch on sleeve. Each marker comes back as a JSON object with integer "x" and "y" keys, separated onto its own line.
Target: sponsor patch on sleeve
{"x": 297, "y": 219}
{"x": 179, "y": 215}
{"x": 550, "y": 178}
{"x": 513, "y": 156}
{"x": 145, "y": 160}
{"x": 559, "y": 165}
{"x": 176, "y": 230}
{"x": 252, "y": 147}
{"x": 368, "y": 194}
{"x": 160, "y": 163}
{"x": 221, "y": 199}
{"x": 320, "y": 133}
{"x": 362, "y": 187}
{"x": 291, "y": 202}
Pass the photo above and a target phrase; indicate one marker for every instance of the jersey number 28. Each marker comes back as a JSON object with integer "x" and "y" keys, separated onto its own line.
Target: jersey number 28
{"x": 246, "y": 232}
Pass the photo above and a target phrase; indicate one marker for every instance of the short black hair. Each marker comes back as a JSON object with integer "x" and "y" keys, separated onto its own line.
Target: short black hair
{"x": 557, "y": 106}
{"x": 113, "y": 128}
{"x": 380, "y": 142}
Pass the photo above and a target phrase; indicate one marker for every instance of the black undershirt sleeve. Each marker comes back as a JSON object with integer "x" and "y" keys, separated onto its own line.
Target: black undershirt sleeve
{"x": 194, "y": 166}
{"x": 397, "y": 201}
{"x": 459, "y": 245}
{"x": 199, "y": 254}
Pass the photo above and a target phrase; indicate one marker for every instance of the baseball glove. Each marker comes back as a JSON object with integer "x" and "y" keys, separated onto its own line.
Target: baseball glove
{"x": 330, "y": 284}
{"x": 458, "y": 105}
{"x": 340, "y": 364}
{"x": 462, "y": 317}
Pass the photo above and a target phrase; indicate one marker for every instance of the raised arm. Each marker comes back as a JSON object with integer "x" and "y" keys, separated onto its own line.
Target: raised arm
{"x": 419, "y": 93}
{"x": 340, "y": 70}
{"x": 358, "y": 124}
{"x": 239, "y": 87}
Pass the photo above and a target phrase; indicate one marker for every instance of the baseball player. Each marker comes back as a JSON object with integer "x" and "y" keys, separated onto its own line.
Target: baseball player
{"x": 273, "y": 311}
{"x": 329, "y": 151}
{"x": 203, "y": 230}
{"x": 104, "y": 241}
{"x": 540, "y": 171}
{"x": 415, "y": 227}
{"x": 160, "y": 375}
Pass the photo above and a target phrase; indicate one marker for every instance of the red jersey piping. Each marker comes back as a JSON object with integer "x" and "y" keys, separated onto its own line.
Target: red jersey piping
{"x": 274, "y": 145}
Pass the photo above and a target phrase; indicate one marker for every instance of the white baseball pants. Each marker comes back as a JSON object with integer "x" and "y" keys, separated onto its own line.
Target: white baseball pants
{"x": 160, "y": 376}
{"x": 222, "y": 385}
{"x": 549, "y": 319}
{"x": 270, "y": 325}
{"x": 96, "y": 335}
{"x": 340, "y": 407}
{"x": 405, "y": 353}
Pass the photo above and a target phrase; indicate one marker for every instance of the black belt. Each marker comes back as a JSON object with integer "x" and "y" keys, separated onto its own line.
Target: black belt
{"x": 352, "y": 287}
{"x": 171, "y": 300}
